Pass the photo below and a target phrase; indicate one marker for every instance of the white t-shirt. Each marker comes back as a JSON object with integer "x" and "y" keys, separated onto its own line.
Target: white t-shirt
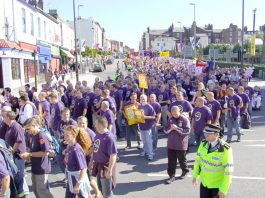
{"x": 25, "y": 113}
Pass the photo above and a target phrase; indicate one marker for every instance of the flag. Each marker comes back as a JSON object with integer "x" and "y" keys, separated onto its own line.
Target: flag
{"x": 253, "y": 45}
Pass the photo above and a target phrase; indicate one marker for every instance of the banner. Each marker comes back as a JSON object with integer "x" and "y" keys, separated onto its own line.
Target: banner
{"x": 164, "y": 54}
{"x": 139, "y": 115}
{"x": 129, "y": 112}
{"x": 253, "y": 45}
{"x": 143, "y": 81}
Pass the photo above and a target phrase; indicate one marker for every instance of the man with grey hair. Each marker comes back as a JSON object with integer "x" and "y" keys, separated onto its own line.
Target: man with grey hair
{"x": 108, "y": 114}
{"x": 3, "y": 125}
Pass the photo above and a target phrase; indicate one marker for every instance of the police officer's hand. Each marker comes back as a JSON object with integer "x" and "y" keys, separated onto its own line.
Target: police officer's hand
{"x": 221, "y": 195}
{"x": 195, "y": 182}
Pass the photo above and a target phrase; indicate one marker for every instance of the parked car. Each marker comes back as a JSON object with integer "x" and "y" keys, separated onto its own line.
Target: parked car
{"x": 109, "y": 61}
{"x": 96, "y": 67}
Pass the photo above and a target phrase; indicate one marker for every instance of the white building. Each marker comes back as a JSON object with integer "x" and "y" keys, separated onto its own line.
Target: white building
{"x": 163, "y": 44}
{"x": 89, "y": 32}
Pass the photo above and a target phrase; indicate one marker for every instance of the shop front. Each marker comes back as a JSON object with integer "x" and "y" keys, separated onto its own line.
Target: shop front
{"x": 44, "y": 54}
{"x": 56, "y": 59}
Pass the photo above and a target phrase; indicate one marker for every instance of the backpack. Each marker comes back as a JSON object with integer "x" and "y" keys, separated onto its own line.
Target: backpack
{"x": 54, "y": 145}
{"x": 16, "y": 183}
{"x": 246, "y": 121}
{"x": 35, "y": 110}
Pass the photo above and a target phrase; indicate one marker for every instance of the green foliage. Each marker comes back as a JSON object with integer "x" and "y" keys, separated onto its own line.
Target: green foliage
{"x": 236, "y": 48}
{"x": 92, "y": 53}
{"x": 221, "y": 47}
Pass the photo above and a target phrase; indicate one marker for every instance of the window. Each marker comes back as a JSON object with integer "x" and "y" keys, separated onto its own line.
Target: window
{"x": 24, "y": 28}
{"x": 39, "y": 28}
{"x": 230, "y": 34}
{"x": 31, "y": 24}
{"x": 45, "y": 30}
{"x": 28, "y": 70}
{"x": 15, "y": 68}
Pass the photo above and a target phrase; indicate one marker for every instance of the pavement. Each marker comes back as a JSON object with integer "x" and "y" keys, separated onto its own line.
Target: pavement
{"x": 140, "y": 178}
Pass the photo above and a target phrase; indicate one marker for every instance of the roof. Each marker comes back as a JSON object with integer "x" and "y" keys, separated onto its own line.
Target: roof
{"x": 8, "y": 44}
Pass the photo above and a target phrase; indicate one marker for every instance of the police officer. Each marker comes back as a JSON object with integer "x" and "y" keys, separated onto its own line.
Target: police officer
{"x": 213, "y": 164}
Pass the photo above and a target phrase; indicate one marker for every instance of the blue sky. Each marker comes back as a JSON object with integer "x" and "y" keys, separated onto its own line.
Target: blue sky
{"x": 126, "y": 20}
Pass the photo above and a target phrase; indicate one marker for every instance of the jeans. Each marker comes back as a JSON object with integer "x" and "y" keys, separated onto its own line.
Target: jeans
{"x": 154, "y": 137}
{"x": 20, "y": 163}
{"x": 222, "y": 121}
{"x": 60, "y": 160}
{"x": 250, "y": 109}
{"x": 164, "y": 115}
{"x": 147, "y": 142}
{"x": 233, "y": 123}
{"x": 105, "y": 186}
{"x": 199, "y": 137}
{"x": 133, "y": 129}
{"x": 119, "y": 124}
{"x": 8, "y": 194}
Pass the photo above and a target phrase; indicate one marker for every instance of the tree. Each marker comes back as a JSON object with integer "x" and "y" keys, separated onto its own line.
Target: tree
{"x": 236, "y": 48}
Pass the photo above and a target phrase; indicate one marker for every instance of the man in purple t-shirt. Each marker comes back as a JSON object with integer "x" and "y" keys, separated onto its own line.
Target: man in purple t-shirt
{"x": 201, "y": 116}
{"x": 108, "y": 114}
{"x": 215, "y": 108}
{"x": 56, "y": 108}
{"x": 163, "y": 99}
{"x": 157, "y": 108}
{"x": 16, "y": 139}
{"x": 44, "y": 108}
{"x": 146, "y": 127}
{"x": 234, "y": 103}
{"x": 38, "y": 155}
{"x": 80, "y": 106}
{"x": 250, "y": 92}
{"x": 104, "y": 157}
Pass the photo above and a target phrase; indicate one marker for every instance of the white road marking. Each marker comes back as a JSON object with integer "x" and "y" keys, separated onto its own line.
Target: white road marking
{"x": 258, "y": 122}
{"x": 256, "y": 145}
{"x": 234, "y": 177}
{"x": 255, "y": 117}
{"x": 252, "y": 140}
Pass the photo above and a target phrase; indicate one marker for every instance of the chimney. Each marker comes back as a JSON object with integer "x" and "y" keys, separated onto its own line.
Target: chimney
{"x": 53, "y": 13}
{"x": 33, "y": 2}
{"x": 40, "y": 4}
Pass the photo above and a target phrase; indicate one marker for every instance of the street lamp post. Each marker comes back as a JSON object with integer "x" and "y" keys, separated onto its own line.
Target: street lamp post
{"x": 180, "y": 37}
{"x": 194, "y": 7}
{"x": 76, "y": 61}
{"x": 254, "y": 19}
{"x": 242, "y": 34}
{"x": 79, "y": 33}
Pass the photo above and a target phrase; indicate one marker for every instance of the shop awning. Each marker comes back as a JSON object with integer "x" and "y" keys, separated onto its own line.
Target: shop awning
{"x": 9, "y": 44}
{"x": 67, "y": 53}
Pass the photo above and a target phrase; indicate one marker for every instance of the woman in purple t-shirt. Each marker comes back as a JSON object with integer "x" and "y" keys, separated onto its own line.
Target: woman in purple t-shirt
{"x": 78, "y": 147}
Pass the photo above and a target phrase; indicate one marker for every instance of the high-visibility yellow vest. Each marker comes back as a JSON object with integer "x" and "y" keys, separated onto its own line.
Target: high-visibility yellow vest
{"x": 214, "y": 168}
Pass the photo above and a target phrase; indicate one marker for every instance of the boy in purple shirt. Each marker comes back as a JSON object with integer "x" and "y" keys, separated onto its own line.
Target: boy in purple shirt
{"x": 80, "y": 106}
{"x": 38, "y": 155}
{"x": 108, "y": 114}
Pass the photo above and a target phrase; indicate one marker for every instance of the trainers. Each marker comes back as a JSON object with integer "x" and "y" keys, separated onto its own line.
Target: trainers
{"x": 138, "y": 147}
{"x": 127, "y": 148}
{"x": 184, "y": 174}
{"x": 238, "y": 140}
{"x": 170, "y": 180}
{"x": 150, "y": 158}
{"x": 228, "y": 141}
{"x": 142, "y": 154}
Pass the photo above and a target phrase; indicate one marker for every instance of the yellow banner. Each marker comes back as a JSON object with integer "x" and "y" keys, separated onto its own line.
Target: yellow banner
{"x": 142, "y": 81}
{"x": 164, "y": 54}
{"x": 253, "y": 45}
{"x": 129, "y": 112}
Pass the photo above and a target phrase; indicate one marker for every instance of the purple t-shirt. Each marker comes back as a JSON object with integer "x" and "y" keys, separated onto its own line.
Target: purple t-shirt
{"x": 245, "y": 100}
{"x": 201, "y": 115}
{"x": 76, "y": 159}
{"x": 183, "y": 105}
{"x": 128, "y": 93}
{"x": 111, "y": 120}
{"x": 15, "y": 134}
{"x": 162, "y": 96}
{"x": 88, "y": 97}
{"x": 3, "y": 129}
{"x": 148, "y": 111}
{"x": 46, "y": 108}
{"x": 56, "y": 115}
{"x": 104, "y": 147}
{"x": 80, "y": 105}
{"x": 157, "y": 107}
{"x": 178, "y": 140}
{"x": 112, "y": 103}
{"x": 40, "y": 143}
{"x": 118, "y": 98}
{"x": 95, "y": 101}
{"x": 249, "y": 91}
{"x": 233, "y": 103}
{"x": 173, "y": 98}
{"x": 91, "y": 133}
{"x": 214, "y": 106}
